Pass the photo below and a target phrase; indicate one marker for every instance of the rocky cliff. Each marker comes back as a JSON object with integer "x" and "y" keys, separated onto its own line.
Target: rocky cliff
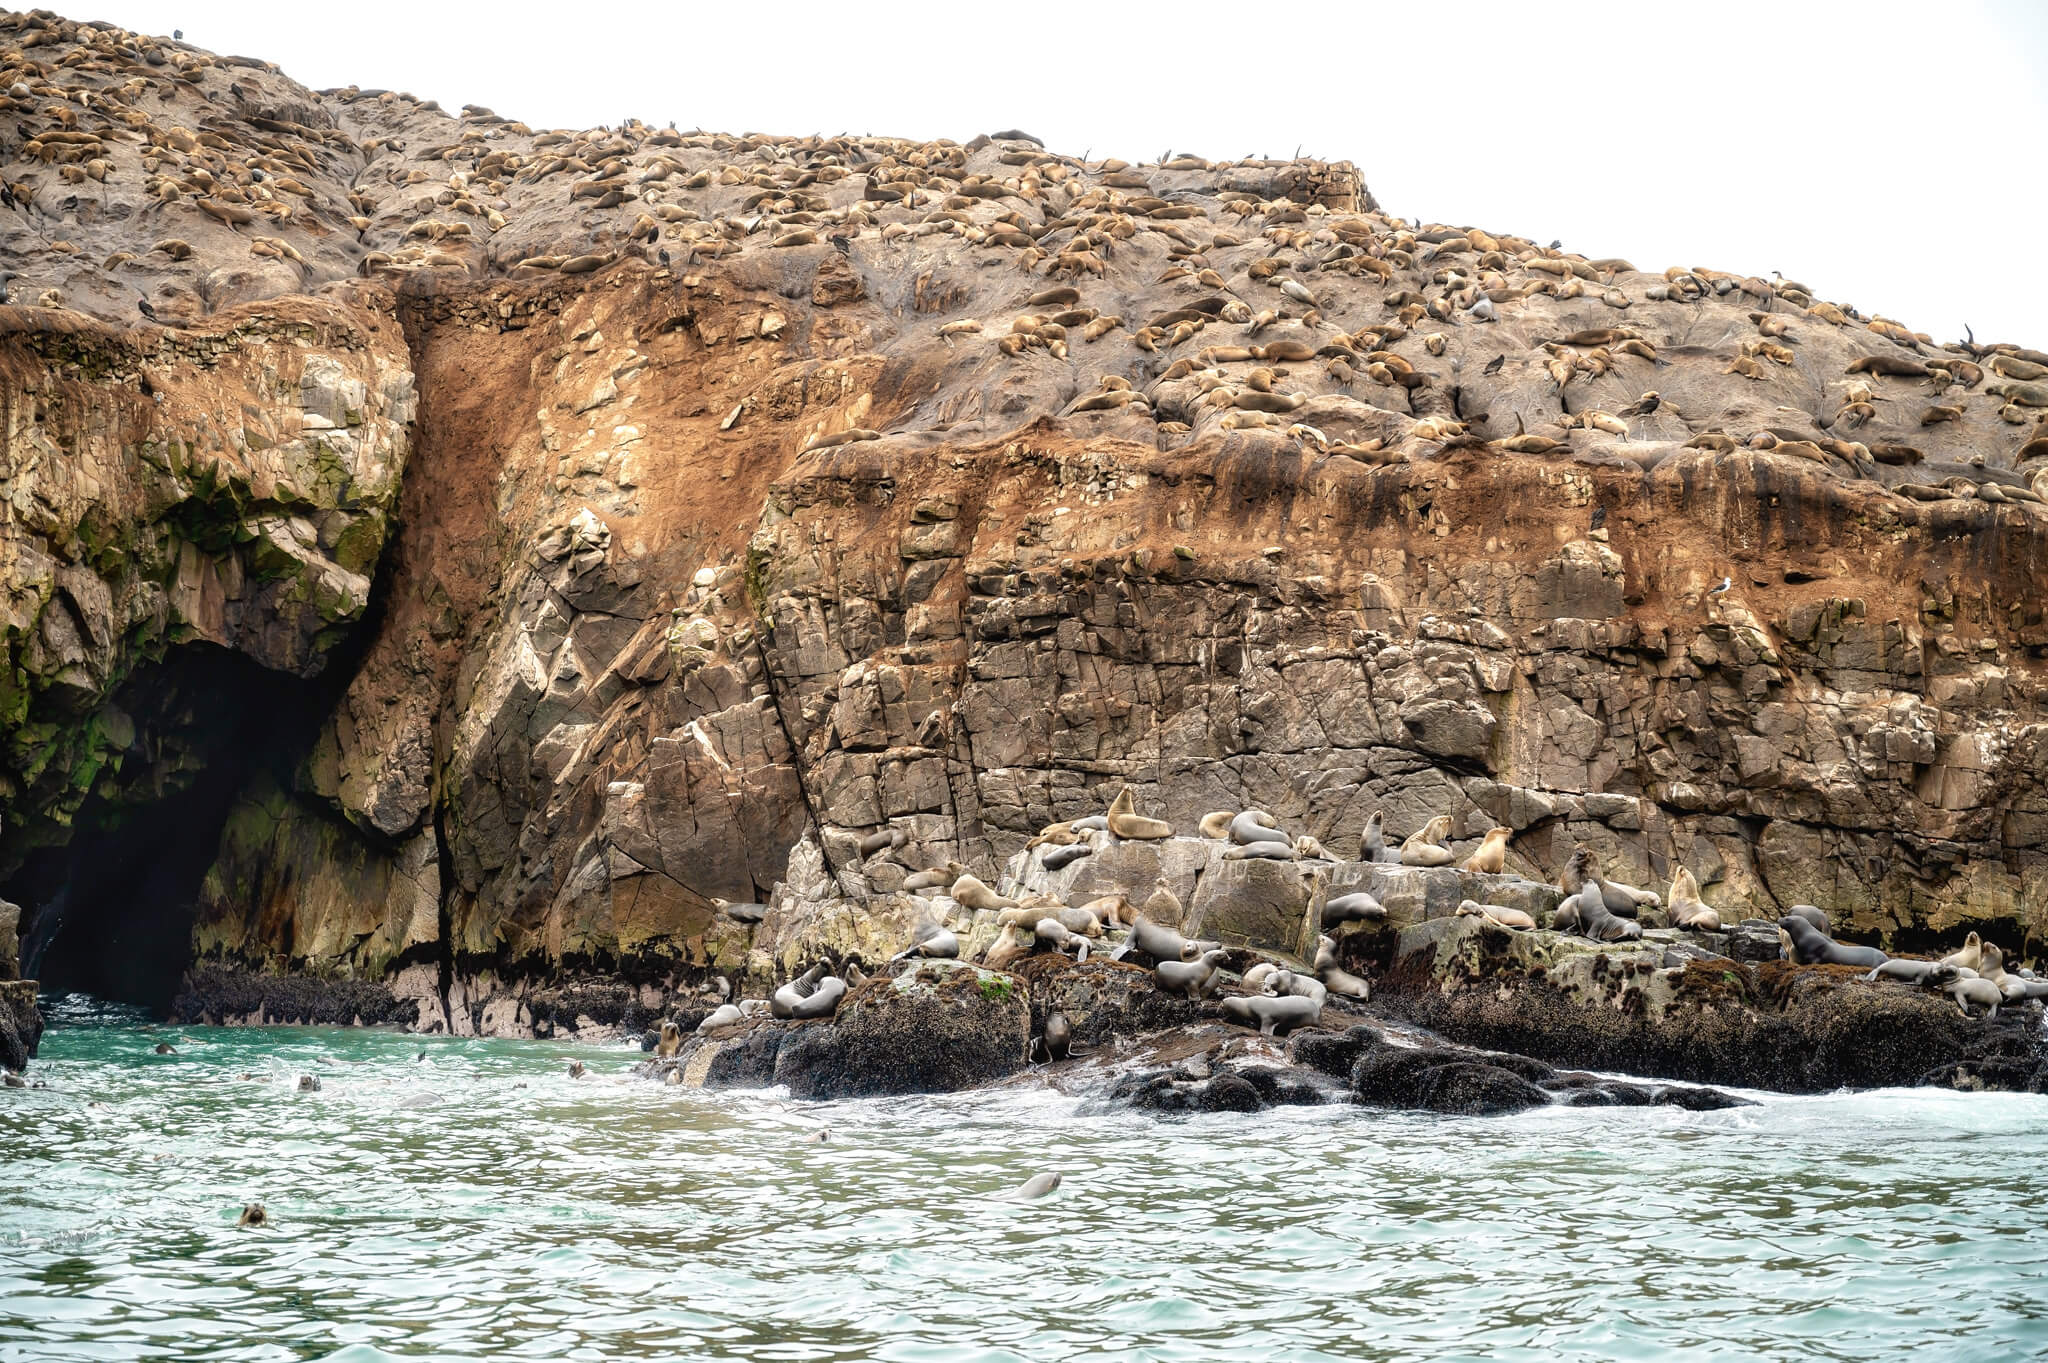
{"x": 624, "y": 522}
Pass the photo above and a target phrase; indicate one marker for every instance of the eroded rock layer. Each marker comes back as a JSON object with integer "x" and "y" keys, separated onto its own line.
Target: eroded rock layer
{"x": 753, "y": 496}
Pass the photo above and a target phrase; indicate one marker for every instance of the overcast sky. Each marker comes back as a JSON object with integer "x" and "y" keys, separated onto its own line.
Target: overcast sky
{"x": 1886, "y": 154}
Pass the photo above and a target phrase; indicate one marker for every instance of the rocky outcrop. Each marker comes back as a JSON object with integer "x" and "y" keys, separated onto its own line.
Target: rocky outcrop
{"x": 759, "y": 496}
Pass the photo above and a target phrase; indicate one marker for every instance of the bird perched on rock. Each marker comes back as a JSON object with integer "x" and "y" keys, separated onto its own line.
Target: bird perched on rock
{"x": 143, "y": 306}
{"x": 1726, "y": 583}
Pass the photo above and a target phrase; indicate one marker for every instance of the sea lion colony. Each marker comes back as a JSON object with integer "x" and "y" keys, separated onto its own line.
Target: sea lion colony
{"x": 1273, "y": 994}
{"x": 1300, "y": 311}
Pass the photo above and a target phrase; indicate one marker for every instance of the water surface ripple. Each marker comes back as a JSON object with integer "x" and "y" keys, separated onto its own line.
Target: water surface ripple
{"x": 478, "y": 1203}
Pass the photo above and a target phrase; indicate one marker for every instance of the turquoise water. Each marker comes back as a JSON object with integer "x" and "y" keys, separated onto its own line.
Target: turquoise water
{"x": 479, "y": 1203}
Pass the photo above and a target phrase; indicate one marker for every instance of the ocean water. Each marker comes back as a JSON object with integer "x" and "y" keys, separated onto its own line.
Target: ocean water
{"x": 476, "y": 1202}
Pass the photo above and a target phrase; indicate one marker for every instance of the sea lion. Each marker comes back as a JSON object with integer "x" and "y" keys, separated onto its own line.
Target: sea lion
{"x": 1983, "y": 993}
{"x": 1217, "y": 824}
{"x": 1262, "y": 850}
{"x": 1125, "y": 822}
{"x": 1111, "y": 910}
{"x": 1356, "y": 907}
{"x": 1058, "y": 1039}
{"x": 1255, "y": 825}
{"x": 1260, "y": 976}
{"x": 1062, "y": 939}
{"x": 1094, "y": 823}
{"x": 1591, "y": 917}
{"x": 1492, "y": 852}
{"x": 1686, "y": 908}
{"x": 1811, "y": 915}
{"x": 971, "y": 892}
{"x": 1372, "y": 843}
{"x": 1011, "y": 945}
{"x": 671, "y": 1039}
{"x": 1308, "y": 849}
{"x": 1624, "y": 900}
{"x": 931, "y": 941}
{"x": 741, "y": 913}
{"x": 1066, "y": 856}
{"x": 253, "y": 1217}
{"x": 931, "y": 878}
{"x": 1300, "y": 985}
{"x": 1496, "y": 913}
{"x": 576, "y": 1070}
{"x": 875, "y": 842}
{"x": 796, "y": 991}
{"x": 1811, "y": 946}
{"x": 1192, "y": 979}
{"x": 309, "y": 1084}
{"x": 1160, "y": 943}
{"x": 1970, "y": 957}
{"x": 165, "y": 1048}
{"x": 1339, "y": 980}
{"x": 720, "y": 1018}
{"x": 1934, "y": 974}
{"x": 1423, "y": 846}
{"x": 1038, "y": 1185}
{"x": 1273, "y": 1016}
{"x": 822, "y": 1003}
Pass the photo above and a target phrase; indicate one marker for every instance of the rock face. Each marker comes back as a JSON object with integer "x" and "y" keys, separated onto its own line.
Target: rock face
{"x": 752, "y": 497}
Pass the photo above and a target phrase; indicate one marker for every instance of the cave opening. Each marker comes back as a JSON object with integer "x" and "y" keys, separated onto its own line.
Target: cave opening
{"x": 109, "y": 912}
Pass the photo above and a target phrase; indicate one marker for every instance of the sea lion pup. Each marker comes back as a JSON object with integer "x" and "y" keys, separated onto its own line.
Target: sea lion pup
{"x": 1424, "y": 848}
{"x": 1217, "y": 824}
{"x": 1065, "y": 856}
{"x": 1299, "y": 985}
{"x": 1262, "y": 850}
{"x": 1161, "y": 944}
{"x": 1038, "y": 1185}
{"x": 1356, "y": 907}
{"x": 1191, "y": 979}
{"x": 1496, "y": 913}
{"x": 931, "y": 941}
{"x": 1933, "y": 974}
{"x": 1338, "y": 979}
{"x": 1983, "y": 993}
{"x": 1125, "y": 822}
{"x": 1273, "y": 1016}
{"x": 1372, "y": 843}
{"x": 1255, "y": 825}
{"x": 722, "y": 1017}
{"x": 1811, "y": 946}
{"x": 671, "y": 1039}
{"x": 1492, "y": 854}
{"x": 1971, "y": 957}
{"x": 253, "y": 1217}
{"x": 1591, "y": 918}
{"x": 931, "y": 878}
{"x": 1162, "y": 906}
{"x": 971, "y": 892}
{"x": 1811, "y": 915}
{"x": 1687, "y": 909}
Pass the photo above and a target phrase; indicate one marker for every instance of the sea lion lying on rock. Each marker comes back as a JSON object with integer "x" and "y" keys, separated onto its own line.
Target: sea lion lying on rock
{"x": 1424, "y": 848}
{"x": 1066, "y": 856}
{"x": 1255, "y": 825}
{"x": 1273, "y": 1016}
{"x": 932, "y": 941}
{"x": 1588, "y": 913}
{"x": 1497, "y": 914}
{"x": 1261, "y": 851}
{"x": 1058, "y": 936}
{"x": 971, "y": 892}
{"x": 1125, "y": 822}
{"x": 1161, "y": 944}
{"x": 1356, "y": 907}
{"x": 1811, "y": 946}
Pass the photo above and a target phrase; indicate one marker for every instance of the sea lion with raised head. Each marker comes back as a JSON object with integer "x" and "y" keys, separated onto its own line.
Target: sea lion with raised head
{"x": 1970, "y": 957}
{"x": 1057, "y": 1040}
{"x": 1125, "y": 822}
{"x": 1273, "y": 1016}
{"x": 1424, "y": 846}
{"x": 1686, "y": 908}
{"x": 1590, "y": 917}
{"x": 1255, "y": 825}
{"x": 671, "y": 1039}
{"x": 1811, "y": 946}
{"x": 1038, "y": 1185}
{"x": 1372, "y": 843}
{"x": 253, "y": 1217}
{"x": 1492, "y": 853}
{"x": 1339, "y": 980}
{"x": 1191, "y": 979}
{"x": 784, "y": 1000}
{"x": 1811, "y": 915}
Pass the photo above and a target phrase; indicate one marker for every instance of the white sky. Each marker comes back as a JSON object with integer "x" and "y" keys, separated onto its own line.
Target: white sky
{"x": 1831, "y": 142}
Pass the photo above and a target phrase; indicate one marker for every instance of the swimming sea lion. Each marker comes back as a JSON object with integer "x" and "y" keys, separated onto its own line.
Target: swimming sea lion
{"x": 1492, "y": 853}
{"x": 165, "y": 1048}
{"x": 1356, "y": 907}
{"x": 1686, "y": 908}
{"x": 1125, "y": 822}
{"x": 1192, "y": 979}
{"x": 1423, "y": 846}
{"x": 1811, "y": 946}
{"x": 1038, "y": 1185}
{"x": 253, "y": 1216}
{"x": 671, "y": 1039}
{"x": 1273, "y": 1016}
{"x": 1970, "y": 957}
{"x": 970, "y": 891}
{"x": 1255, "y": 825}
{"x": 1065, "y": 856}
{"x": 576, "y": 1069}
{"x": 308, "y": 1084}
{"x": 1217, "y": 824}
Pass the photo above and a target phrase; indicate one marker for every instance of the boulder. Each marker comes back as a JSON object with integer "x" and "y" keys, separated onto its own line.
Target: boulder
{"x": 935, "y": 1027}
